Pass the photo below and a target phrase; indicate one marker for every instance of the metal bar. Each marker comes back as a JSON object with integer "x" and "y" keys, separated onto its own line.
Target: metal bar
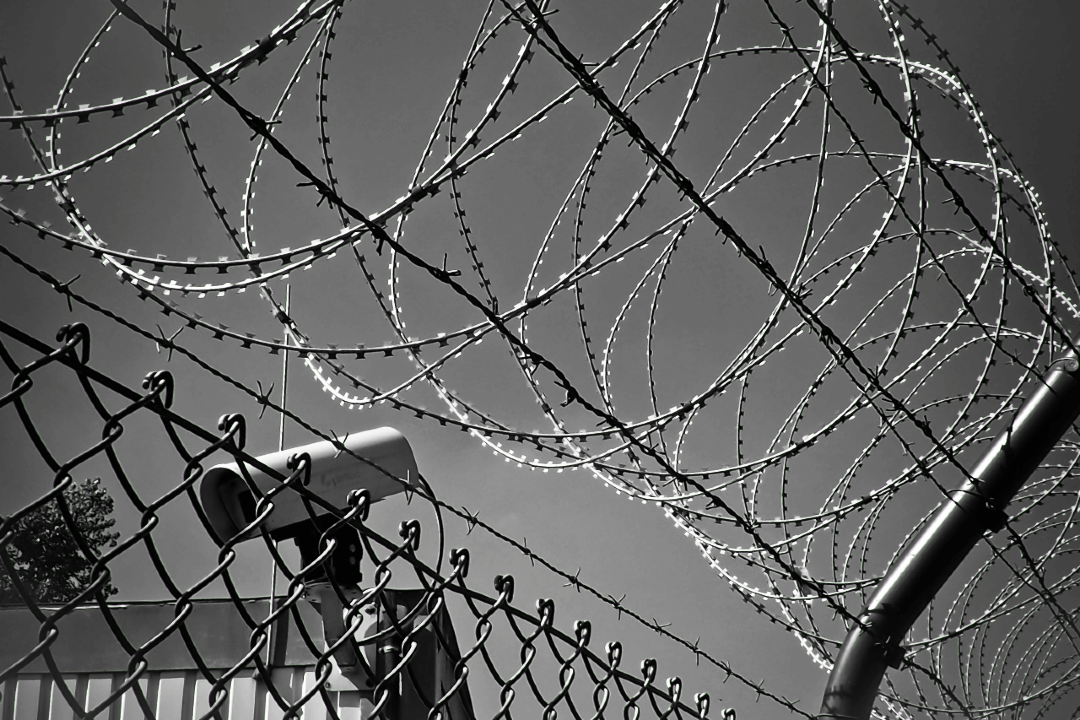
{"x": 280, "y": 447}
{"x": 977, "y": 507}
{"x": 285, "y": 369}
{"x": 389, "y": 656}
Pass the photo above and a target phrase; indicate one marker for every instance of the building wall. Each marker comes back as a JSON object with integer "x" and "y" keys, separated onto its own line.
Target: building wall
{"x": 172, "y": 695}
{"x": 93, "y": 665}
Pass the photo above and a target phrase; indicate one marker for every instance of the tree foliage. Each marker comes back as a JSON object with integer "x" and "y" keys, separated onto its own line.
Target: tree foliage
{"x": 44, "y": 552}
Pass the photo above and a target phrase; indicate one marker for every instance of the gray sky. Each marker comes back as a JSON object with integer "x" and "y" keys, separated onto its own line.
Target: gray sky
{"x": 393, "y": 67}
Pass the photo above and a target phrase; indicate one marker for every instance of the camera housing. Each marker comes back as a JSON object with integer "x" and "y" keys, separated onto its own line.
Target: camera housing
{"x": 379, "y": 461}
{"x": 386, "y": 466}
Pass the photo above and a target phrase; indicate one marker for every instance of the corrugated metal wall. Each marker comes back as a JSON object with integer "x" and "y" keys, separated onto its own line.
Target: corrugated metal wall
{"x": 183, "y": 695}
{"x": 94, "y": 666}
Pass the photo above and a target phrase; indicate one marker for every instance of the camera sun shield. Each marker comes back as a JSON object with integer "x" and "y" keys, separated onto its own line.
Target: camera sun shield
{"x": 385, "y": 466}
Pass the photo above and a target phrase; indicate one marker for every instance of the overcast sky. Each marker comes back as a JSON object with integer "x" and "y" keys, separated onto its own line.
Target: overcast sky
{"x": 394, "y": 65}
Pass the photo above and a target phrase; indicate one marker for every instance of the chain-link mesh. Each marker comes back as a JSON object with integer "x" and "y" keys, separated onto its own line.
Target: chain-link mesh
{"x": 538, "y": 669}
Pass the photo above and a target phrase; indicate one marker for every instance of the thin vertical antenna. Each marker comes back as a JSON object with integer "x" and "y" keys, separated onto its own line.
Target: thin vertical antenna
{"x": 280, "y": 447}
{"x": 284, "y": 371}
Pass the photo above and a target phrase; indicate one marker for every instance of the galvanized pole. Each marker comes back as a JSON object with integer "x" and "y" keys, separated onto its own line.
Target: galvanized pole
{"x": 977, "y": 507}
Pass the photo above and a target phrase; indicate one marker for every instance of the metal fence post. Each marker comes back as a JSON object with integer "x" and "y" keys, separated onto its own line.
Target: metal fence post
{"x": 978, "y": 506}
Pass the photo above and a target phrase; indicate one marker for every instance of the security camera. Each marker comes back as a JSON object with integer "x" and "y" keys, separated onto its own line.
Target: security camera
{"x": 379, "y": 461}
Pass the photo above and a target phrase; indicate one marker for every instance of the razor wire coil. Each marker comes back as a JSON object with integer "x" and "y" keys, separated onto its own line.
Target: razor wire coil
{"x": 913, "y": 372}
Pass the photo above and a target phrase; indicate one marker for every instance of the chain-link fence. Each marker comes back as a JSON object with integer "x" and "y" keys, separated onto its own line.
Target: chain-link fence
{"x": 398, "y": 636}
{"x": 793, "y": 338}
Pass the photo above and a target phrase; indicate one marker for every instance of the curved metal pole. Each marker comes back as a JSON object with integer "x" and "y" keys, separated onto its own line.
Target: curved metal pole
{"x": 975, "y": 508}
